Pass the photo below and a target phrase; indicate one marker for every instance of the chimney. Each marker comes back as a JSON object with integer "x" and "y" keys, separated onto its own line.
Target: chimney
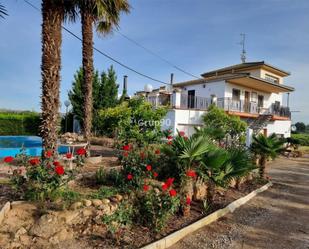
{"x": 125, "y": 87}
{"x": 172, "y": 78}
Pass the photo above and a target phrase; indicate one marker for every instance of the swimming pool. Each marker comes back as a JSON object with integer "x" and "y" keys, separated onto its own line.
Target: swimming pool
{"x": 11, "y": 145}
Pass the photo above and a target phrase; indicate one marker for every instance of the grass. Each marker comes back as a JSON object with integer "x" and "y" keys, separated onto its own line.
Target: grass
{"x": 104, "y": 192}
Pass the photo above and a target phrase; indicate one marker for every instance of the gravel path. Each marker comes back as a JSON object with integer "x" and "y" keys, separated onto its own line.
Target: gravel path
{"x": 276, "y": 219}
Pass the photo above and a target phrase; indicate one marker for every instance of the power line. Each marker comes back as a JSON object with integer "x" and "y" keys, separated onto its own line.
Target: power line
{"x": 102, "y": 53}
{"x": 155, "y": 54}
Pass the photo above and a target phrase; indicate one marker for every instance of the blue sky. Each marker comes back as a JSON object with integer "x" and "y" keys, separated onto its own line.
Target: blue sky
{"x": 197, "y": 35}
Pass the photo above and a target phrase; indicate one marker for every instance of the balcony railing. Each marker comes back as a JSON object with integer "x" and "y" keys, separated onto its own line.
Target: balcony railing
{"x": 228, "y": 104}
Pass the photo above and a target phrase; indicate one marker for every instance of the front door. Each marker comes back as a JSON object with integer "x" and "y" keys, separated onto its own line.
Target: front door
{"x": 191, "y": 98}
{"x": 247, "y": 102}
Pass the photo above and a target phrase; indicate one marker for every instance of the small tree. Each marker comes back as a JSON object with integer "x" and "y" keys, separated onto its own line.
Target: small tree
{"x": 76, "y": 94}
{"x": 109, "y": 89}
{"x": 266, "y": 147}
{"x": 223, "y": 127}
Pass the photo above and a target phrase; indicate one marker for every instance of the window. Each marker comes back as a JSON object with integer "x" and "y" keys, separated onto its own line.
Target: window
{"x": 254, "y": 97}
{"x": 271, "y": 78}
{"x": 261, "y": 101}
{"x": 236, "y": 95}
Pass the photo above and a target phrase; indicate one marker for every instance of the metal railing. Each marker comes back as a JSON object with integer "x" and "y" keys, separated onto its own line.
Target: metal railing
{"x": 194, "y": 102}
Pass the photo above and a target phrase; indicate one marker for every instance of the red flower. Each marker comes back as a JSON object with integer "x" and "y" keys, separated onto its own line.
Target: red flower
{"x": 173, "y": 192}
{"x": 169, "y": 182}
{"x": 56, "y": 163}
{"x": 164, "y": 187}
{"x": 125, "y": 154}
{"x": 34, "y": 161}
{"x": 157, "y": 152}
{"x": 188, "y": 201}
{"x": 169, "y": 142}
{"x": 148, "y": 167}
{"x": 126, "y": 147}
{"x": 145, "y": 188}
{"x": 169, "y": 137}
{"x": 191, "y": 173}
{"x": 129, "y": 177}
{"x": 142, "y": 155}
{"x": 181, "y": 133}
{"x": 81, "y": 152}
{"x": 8, "y": 159}
{"x": 155, "y": 174}
{"x": 68, "y": 155}
{"x": 59, "y": 170}
{"x": 48, "y": 154}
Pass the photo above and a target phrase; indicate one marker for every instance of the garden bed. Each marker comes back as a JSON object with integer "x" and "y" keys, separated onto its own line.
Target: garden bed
{"x": 87, "y": 233}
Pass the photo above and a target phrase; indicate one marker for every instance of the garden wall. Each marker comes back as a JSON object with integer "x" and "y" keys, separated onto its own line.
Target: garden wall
{"x": 25, "y": 123}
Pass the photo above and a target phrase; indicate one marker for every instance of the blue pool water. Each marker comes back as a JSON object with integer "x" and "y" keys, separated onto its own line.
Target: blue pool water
{"x": 11, "y": 145}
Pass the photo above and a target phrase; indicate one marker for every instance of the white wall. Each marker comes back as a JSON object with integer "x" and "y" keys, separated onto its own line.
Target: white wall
{"x": 183, "y": 120}
{"x": 281, "y": 127}
{"x": 216, "y": 88}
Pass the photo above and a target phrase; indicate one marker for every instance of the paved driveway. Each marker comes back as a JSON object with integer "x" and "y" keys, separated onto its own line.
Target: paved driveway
{"x": 276, "y": 219}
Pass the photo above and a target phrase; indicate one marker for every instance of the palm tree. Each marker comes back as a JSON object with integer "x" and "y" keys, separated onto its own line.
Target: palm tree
{"x": 3, "y": 11}
{"x": 53, "y": 13}
{"x": 105, "y": 14}
{"x": 266, "y": 147}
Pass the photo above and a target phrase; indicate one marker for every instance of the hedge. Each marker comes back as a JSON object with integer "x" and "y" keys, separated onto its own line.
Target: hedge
{"x": 24, "y": 123}
{"x": 303, "y": 139}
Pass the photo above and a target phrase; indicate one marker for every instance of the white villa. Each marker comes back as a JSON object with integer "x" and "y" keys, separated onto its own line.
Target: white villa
{"x": 251, "y": 90}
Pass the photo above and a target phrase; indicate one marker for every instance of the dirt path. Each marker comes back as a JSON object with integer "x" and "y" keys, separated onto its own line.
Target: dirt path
{"x": 275, "y": 219}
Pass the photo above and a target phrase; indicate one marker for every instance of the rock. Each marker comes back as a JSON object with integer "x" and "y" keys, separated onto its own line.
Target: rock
{"x": 4, "y": 211}
{"x": 87, "y": 203}
{"x": 5, "y": 238}
{"x": 68, "y": 216}
{"x": 46, "y": 226}
{"x": 97, "y": 202}
{"x": 113, "y": 207}
{"x": 106, "y": 201}
{"x": 76, "y": 205}
{"x": 20, "y": 231}
{"x": 87, "y": 212}
{"x": 105, "y": 208}
{"x": 62, "y": 235}
{"x": 25, "y": 239}
{"x": 23, "y": 205}
{"x": 118, "y": 197}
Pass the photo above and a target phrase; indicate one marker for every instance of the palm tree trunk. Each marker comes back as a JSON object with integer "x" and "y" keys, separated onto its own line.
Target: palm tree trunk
{"x": 87, "y": 34}
{"x": 210, "y": 191}
{"x": 50, "y": 71}
{"x": 262, "y": 168}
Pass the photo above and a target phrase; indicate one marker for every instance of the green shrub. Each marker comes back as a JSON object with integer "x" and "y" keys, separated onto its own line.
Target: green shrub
{"x": 24, "y": 123}
{"x": 301, "y": 139}
{"x": 132, "y": 121}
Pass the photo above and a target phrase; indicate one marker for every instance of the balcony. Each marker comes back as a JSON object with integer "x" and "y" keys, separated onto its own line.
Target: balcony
{"x": 241, "y": 107}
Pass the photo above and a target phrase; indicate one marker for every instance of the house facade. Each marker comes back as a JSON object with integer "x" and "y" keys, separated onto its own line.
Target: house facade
{"x": 253, "y": 91}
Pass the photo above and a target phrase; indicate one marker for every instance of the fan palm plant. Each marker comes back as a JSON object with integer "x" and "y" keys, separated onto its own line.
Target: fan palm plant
{"x": 105, "y": 14}
{"x": 3, "y": 11}
{"x": 265, "y": 148}
{"x": 219, "y": 167}
{"x": 54, "y": 13}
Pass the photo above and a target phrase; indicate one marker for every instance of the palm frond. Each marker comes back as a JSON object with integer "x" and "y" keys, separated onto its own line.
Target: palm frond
{"x": 3, "y": 11}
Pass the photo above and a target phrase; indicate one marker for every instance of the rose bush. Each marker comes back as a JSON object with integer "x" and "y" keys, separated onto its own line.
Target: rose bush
{"x": 41, "y": 177}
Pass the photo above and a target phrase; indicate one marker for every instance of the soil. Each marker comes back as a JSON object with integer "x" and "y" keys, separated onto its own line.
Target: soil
{"x": 276, "y": 218}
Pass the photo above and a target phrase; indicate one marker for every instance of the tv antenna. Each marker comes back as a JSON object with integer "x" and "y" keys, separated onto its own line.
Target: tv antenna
{"x": 242, "y": 43}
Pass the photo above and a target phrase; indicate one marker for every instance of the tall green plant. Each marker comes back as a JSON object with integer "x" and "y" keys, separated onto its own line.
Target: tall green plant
{"x": 265, "y": 148}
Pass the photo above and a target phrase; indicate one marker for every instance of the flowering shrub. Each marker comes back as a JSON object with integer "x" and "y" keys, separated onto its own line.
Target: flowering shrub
{"x": 41, "y": 178}
{"x": 138, "y": 165}
{"x": 155, "y": 206}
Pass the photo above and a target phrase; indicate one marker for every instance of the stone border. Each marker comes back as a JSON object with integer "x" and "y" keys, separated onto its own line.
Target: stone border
{"x": 4, "y": 211}
{"x": 180, "y": 234}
